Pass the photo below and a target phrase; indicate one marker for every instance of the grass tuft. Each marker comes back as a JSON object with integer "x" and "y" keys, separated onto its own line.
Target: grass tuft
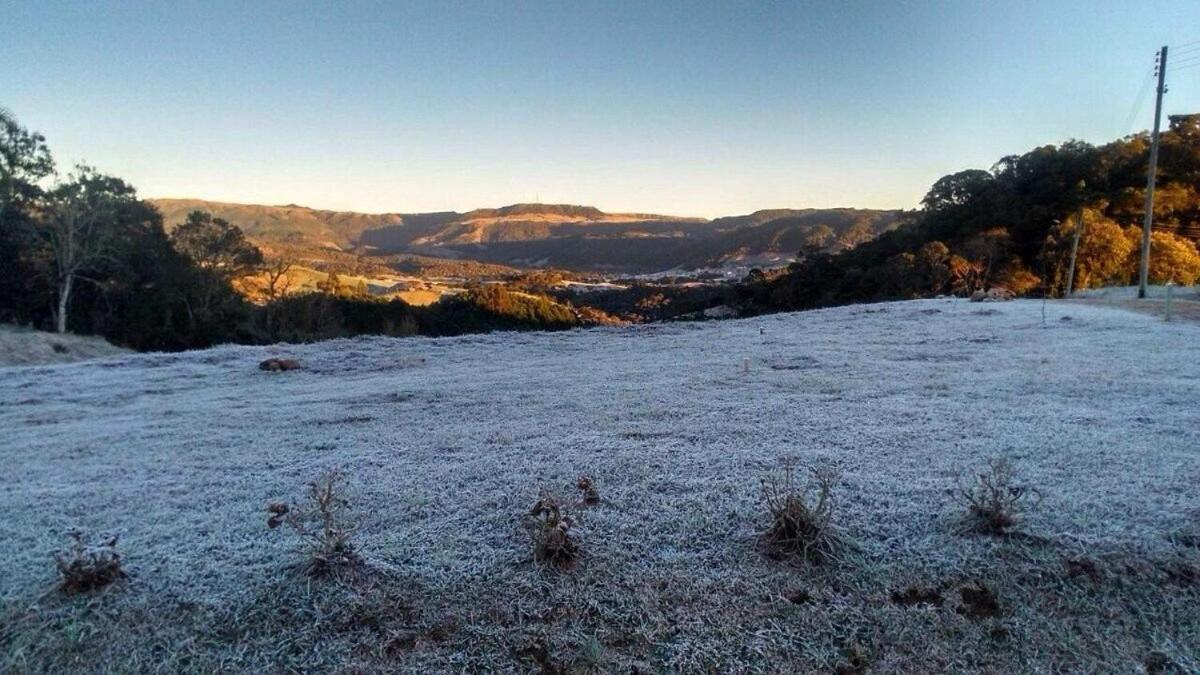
{"x": 323, "y": 523}
{"x": 802, "y": 517}
{"x": 86, "y": 567}
{"x": 996, "y": 501}
{"x": 550, "y": 526}
{"x": 588, "y": 487}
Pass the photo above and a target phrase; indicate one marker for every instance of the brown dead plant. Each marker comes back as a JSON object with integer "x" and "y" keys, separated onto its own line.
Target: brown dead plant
{"x": 587, "y": 486}
{"x": 87, "y": 567}
{"x": 995, "y": 501}
{"x": 323, "y": 523}
{"x": 801, "y": 516}
{"x": 550, "y": 528}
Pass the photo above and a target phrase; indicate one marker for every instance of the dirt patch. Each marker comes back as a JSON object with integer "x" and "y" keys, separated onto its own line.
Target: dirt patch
{"x": 794, "y": 363}
{"x": 1157, "y": 662}
{"x": 349, "y": 419}
{"x": 915, "y": 595}
{"x": 1182, "y": 573}
{"x": 799, "y": 597}
{"x": 1083, "y": 567}
{"x": 978, "y": 602}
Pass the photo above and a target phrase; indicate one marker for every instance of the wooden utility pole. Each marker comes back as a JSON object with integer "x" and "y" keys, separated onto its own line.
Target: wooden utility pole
{"x": 1074, "y": 251}
{"x": 1144, "y": 269}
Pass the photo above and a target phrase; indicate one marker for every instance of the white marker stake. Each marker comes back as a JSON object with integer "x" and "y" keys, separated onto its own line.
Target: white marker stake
{"x": 1169, "y": 285}
{"x": 745, "y": 365}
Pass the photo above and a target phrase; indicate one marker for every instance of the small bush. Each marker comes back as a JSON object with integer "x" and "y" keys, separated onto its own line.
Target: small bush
{"x": 322, "y": 523}
{"x": 590, "y": 494}
{"x": 995, "y": 501}
{"x": 551, "y": 530}
{"x": 84, "y": 567}
{"x": 801, "y": 521}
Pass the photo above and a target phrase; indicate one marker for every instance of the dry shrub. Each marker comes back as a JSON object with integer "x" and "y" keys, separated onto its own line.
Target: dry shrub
{"x": 590, "y": 494}
{"x": 85, "y": 567}
{"x": 801, "y": 516}
{"x": 995, "y": 501}
{"x": 551, "y": 530}
{"x": 322, "y": 523}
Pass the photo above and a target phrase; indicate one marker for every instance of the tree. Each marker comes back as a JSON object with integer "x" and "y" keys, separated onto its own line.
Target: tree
{"x": 933, "y": 267}
{"x": 222, "y": 253}
{"x": 1103, "y": 251}
{"x": 24, "y": 161}
{"x": 331, "y": 284}
{"x": 216, "y": 245}
{"x": 956, "y": 189}
{"x": 78, "y": 230}
{"x": 276, "y": 284}
{"x": 1172, "y": 258}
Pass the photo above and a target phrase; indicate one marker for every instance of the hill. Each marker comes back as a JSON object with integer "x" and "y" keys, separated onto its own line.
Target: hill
{"x": 564, "y": 236}
{"x": 20, "y": 346}
{"x": 1014, "y": 226}
{"x": 447, "y": 443}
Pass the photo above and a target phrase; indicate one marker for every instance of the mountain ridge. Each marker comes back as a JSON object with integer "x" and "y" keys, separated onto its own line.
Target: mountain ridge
{"x": 567, "y": 236}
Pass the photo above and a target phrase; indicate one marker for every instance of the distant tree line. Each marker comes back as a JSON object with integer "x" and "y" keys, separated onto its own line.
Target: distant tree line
{"x": 1013, "y": 226}
{"x": 83, "y": 253}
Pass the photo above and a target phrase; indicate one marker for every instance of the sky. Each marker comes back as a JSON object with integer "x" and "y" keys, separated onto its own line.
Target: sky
{"x": 697, "y": 108}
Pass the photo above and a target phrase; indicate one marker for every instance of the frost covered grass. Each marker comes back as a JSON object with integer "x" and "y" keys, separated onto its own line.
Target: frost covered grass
{"x": 20, "y": 346}
{"x": 448, "y": 440}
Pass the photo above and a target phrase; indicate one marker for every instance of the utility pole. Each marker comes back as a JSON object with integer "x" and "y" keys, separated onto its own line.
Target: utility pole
{"x": 1074, "y": 251}
{"x": 1144, "y": 270}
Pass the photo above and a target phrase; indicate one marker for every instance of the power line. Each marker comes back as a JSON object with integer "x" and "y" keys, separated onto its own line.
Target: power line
{"x": 1173, "y": 69}
{"x": 1138, "y": 102}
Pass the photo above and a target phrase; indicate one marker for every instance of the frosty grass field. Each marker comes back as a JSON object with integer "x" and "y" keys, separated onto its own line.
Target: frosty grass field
{"x": 448, "y": 441}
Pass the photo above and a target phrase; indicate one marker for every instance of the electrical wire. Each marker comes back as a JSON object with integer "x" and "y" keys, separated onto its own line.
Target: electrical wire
{"x": 1138, "y": 103}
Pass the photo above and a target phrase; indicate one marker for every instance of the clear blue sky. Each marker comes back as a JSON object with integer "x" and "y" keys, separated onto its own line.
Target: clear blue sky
{"x": 686, "y": 108}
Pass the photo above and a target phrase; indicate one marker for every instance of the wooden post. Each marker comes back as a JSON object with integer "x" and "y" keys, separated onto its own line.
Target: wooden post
{"x": 1144, "y": 268}
{"x": 1074, "y": 251}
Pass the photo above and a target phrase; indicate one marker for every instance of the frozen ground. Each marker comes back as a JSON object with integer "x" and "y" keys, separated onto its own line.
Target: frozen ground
{"x": 449, "y": 440}
{"x": 21, "y": 346}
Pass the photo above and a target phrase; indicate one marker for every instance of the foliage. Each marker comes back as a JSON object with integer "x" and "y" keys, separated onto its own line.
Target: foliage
{"x": 214, "y": 244}
{"x": 90, "y": 246}
{"x": 1013, "y": 226}
{"x": 489, "y": 307}
{"x": 1172, "y": 258}
{"x": 1103, "y": 256}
